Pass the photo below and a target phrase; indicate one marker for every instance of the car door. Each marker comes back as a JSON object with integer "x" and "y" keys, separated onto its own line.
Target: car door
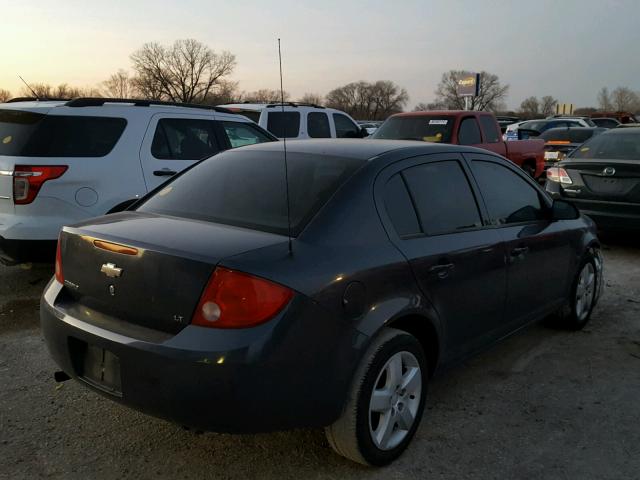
{"x": 174, "y": 142}
{"x": 492, "y": 139}
{"x": 538, "y": 251}
{"x": 434, "y": 219}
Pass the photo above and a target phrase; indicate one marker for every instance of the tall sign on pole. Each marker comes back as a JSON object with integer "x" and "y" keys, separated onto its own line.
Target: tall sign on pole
{"x": 468, "y": 86}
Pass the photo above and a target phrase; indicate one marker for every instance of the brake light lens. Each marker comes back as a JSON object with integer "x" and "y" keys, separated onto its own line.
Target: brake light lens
{"x": 28, "y": 179}
{"x": 59, "y": 274}
{"x": 238, "y": 300}
{"x": 560, "y": 175}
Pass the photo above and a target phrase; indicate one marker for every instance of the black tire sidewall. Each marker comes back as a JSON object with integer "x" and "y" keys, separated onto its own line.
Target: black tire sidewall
{"x": 371, "y": 453}
{"x": 573, "y": 321}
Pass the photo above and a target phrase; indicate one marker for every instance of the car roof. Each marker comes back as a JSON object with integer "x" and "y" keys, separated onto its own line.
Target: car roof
{"x": 353, "y": 148}
{"x": 61, "y": 107}
{"x": 449, "y": 113}
{"x": 634, "y": 130}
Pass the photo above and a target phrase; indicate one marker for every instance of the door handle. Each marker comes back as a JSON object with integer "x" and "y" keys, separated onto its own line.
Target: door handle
{"x": 516, "y": 252}
{"x": 441, "y": 269}
{"x": 165, "y": 172}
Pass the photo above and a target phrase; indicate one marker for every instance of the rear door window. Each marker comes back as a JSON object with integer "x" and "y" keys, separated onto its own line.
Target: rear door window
{"x": 318, "y": 125}
{"x": 443, "y": 197}
{"x": 489, "y": 128}
{"x": 345, "y": 128}
{"x": 30, "y": 134}
{"x": 508, "y": 197}
{"x": 400, "y": 208}
{"x": 469, "y": 132}
{"x": 241, "y": 134}
{"x": 184, "y": 139}
{"x": 284, "y": 124}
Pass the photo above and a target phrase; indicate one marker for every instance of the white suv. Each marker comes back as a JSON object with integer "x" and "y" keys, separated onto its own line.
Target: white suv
{"x": 300, "y": 120}
{"x": 64, "y": 161}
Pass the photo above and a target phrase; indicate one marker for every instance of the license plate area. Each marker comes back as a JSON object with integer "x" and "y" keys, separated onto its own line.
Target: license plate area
{"x": 96, "y": 366}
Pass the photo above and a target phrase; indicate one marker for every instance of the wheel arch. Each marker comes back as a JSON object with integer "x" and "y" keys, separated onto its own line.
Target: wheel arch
{"x": 425, "y": 332}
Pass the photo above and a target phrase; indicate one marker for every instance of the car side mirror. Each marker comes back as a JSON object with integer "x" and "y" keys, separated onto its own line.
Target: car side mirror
{"x": 562, "y": 210}
{"x": 363, "y": 133}
{"x": 526, "y": 133}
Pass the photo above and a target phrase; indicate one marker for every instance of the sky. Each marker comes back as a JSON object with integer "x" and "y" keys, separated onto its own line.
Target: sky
{"x": 565, "y": 48}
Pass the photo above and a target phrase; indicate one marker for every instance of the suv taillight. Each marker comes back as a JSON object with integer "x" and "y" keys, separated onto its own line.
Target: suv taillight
{"x": 238, "y": 300}
{"x": 27, "y": 180}
{"x": 59, "y": 274}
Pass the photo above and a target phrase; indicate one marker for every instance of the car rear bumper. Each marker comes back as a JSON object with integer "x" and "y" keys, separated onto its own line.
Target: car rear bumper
{"x": 280, "y": 375}
{"x": 606, "y": 214}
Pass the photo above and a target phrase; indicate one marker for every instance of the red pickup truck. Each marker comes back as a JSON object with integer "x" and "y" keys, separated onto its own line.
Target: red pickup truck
{"x": 459, "y": 127}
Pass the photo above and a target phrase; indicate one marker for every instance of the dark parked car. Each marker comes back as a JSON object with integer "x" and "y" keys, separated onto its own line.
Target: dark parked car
{"x": 403, "y": 257}
{"x": 606, "y": 122}
{"x": 559, "y": 142}
{"x": 602, "y": 178}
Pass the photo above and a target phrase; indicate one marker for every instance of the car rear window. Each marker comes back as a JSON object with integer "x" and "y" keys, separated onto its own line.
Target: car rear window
{"x": 284, "y": 124}
{"x": 247, "y": 189}
{"x": 616, "y": 145}
{"x": 571, "y": 135}
{"x": 28, "y": 134}
{"x": 426, "y": 128}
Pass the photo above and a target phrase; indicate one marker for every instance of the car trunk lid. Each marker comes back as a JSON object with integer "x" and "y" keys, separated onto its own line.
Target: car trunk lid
{"x": 611, "y": 180}
{"x": 147, "y": 269}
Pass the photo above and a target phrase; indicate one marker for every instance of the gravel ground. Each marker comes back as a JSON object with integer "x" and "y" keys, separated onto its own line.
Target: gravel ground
{"x": 545, "y": 404}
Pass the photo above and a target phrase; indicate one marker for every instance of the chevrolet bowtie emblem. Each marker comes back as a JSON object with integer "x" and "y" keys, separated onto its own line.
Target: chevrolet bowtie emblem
{"x": 110, "y": 270}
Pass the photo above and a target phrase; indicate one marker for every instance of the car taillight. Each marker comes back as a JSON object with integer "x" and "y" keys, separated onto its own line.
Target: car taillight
{"x": 59, "y": 274}
{"x": 27, "y": 180}
{"x": 237, "y": 300}
{"x": 560, "y": 175}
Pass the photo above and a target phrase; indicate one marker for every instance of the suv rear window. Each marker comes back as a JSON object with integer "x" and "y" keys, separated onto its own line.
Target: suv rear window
{"x": 284, "y": 124}
{"x": 247, "y": 189}
{"x": 28, "y": 134}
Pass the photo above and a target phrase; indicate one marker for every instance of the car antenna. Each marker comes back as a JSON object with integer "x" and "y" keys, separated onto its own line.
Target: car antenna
{"x": 29, "y": 87}
{"x": 284, "y": 145}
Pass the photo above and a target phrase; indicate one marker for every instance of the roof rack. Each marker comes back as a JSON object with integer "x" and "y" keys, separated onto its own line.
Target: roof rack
{"x": 99, "y": 101}
{"x": 36, "y": 99}
{"x": 294, "y": 104}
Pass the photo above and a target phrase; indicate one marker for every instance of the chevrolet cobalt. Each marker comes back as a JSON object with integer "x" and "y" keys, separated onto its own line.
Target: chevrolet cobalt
{"x": 243, "y": 296}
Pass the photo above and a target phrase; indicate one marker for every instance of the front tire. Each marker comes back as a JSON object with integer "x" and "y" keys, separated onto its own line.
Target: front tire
{"x": 385, "y": 403}
{"x": 576, "y": 314}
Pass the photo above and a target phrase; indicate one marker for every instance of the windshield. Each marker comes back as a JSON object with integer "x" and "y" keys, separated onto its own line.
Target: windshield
{"x": 247, "y": 189}
{"x": 428, "y": 128}
{"x": 570, "y": 135}
{"x": 615, "y": 146}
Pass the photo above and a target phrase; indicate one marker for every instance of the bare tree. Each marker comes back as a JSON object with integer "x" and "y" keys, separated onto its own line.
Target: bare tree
{"x": 62, "y": 91}
{"x": 586, "y": 111}
{"x": 624, "y": 99}
{"x": 265, "y": 95}
{"x": 368, "y": 101}
{"x": 226, "y": 92}
{"x": 548, "y": 105}
{"x": 313, "y": 98}
{"x": 490, "y": 96}
{"x": 4, "y": 95}
{"x": 530, "y": 107}
{"x": 187, "y": 71}
{"x": 118, "y": 85}
{"x": 421, "y": 107}
{"x": 604, "y": 99}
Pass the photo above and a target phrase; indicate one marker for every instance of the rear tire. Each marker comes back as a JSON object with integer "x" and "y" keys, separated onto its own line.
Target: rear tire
{"x": 530, "y": 169}
{"x": 386, "y": 401}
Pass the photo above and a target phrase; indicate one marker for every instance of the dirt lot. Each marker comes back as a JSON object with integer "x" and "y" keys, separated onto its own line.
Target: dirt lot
{"x": 545, "y": 404}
